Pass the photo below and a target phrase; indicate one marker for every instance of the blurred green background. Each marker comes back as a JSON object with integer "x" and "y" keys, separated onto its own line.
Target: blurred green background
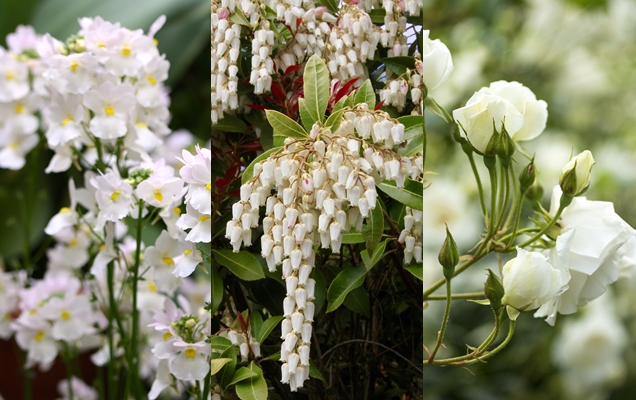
{"x": 580, "y": 57}
{"x": 184, "y": 39}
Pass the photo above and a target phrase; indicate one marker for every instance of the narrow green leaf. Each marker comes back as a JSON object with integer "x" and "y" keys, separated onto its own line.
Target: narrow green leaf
{"x": 272, "y": 357}
{"x": 220, "y": 344}
{"x": 352, "y": 238}
{"x": 358, "y": 301}
{"x": 321, "y": 289}
{"x": 347, "y": 280}
{"x": 414, "y": 147}
{"x": 268, "y": 326}
{"x": 249, "y": 171}
{"x": 399, "y": 64}
{"x": 315, "y": 373}
{"x": 416, "y": 270}
{"x": 218, "y": 363}
{"x": 397, "y": 213}
{"x": 412, "y": 126}
{"x": 316, "y": 88}
{"x": 411, "y": 194}
{"x": 225, "y": 374}
{"x": 369, "y": 262}
{"x": 434, "y": 106}
{"x": 375, "y": 226}
{"x": 230, "y": 123}
{"x": 217, "y": 290}
{"x": 241, "y": 374}
{"x": 339, "y": 105}
{"x": 242, "y": 264}
{"x": 254, "y": 388}
{"x": 239, "y": 18}
{"x": 256, "y": 321}
{"x": 334, "y": 120}
{"x": 365, "y": 94}
{"x": 284, "y": 127}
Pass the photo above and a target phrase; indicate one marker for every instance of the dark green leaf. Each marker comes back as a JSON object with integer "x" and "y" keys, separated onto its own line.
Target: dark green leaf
{"x": 365, "y": 94}
{"x": 284, "y": 127}
{"x": 305, "y": 116}
{"x": 347, "y": 280}
{"x": 416, "y": 270}
{"x": 242, "y": 264}
{"x": 217, "y": 290}
{"x": 334, "y": 120}
{"x": 375, "y": 226}
{"x": 411, "y": 194}
{"x": 241, "y": 374}
{"x": 230, "y": 123}
{"x": 369, "y": 262}
{"x": 254, "y": 388}
{"x": 315, "y": 373}
{"x": 412, "y": 126}
{"x": 239, "y": 18}
{"x": 332, "y": 5}
{"x": 268, "y": 326}
{"x": 352, "y": 238}
{"x": 358, "y": 301}
{"x": 256, "y": 321}
{"x": 399, "y": 64}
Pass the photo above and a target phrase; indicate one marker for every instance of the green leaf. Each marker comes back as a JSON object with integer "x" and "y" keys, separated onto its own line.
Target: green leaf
{"x": 399, "y": 64}
{"x": 241, "y": 374}
{"x": 347, "y": 280}
{"x": 268, "y": 326}
{"x": 305, "y": 116}
{"x": 411, "y": 194}
{"x": 358, "y": 301}
{"x": 321, "y": 289}
{"x": 413, "y": 125}
{"x": 369, "y": 262}
{"x": 249, "y": 171}
{"x": 414, "y": 147}
{"x": 224, "y": 376}
{"x": 332, "y": 5}
{"x": 239, "y": 18}
{"x": 315, "y": 373}
{"x": 316, "y": 88}
{"x": 254, "y": 388}
{"x": 365, "y": 94}
{"x": 272, "y": 357}
{"x": 416, "y": 270}
{"x": 352, "y": 238}
{"x": 434, "y": 106}
{"x": 339, "y": 105}
{"x": 375, "y": 226}
{"x": 220, "y": 344}
{"x": 284, "y": 127}
{"x": 218, "y": 363}
{"x": 242, "y": 264}
{"x": 398, "y": 211}
{"x": 334, "y": 120}
{"x": 256, "y": 321}
{"x": 230, "y": 123}
{"x": 217, "y": 290}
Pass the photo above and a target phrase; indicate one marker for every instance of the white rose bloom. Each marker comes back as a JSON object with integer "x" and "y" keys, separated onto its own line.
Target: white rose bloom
{"x": 589, "y": 350}
{"x": 593, "y": 260}
{"x": 437, "y": 62}
{"x": 529, "y": 280}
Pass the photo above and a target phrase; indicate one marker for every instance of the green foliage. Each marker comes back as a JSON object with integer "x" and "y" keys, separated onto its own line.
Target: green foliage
{"x": 316, "y": 90}
{"x": 411, "y": 194}
{"x": 242, "y": 264}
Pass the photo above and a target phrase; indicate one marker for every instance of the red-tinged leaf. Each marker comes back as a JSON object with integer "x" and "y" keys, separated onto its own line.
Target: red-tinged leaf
{"x": 251, "y": 147}
{"x": 290, "y": 70}
{"x": 242, "y": 323}
{"x": 345, "y": 90}
{"x": 258, "y": 107}
{"x": 234, "y": 193}
{"x": 221, "y": 183}
{"x": 232, "y": 172}
{"x": 335, "y": 88}
{"x": 295, "y": 109}
{"x": 378, "y": 106}
{"x": 298, "y": 22}
{"x": 277, "y": 91}
{"x": 269, "y": 99}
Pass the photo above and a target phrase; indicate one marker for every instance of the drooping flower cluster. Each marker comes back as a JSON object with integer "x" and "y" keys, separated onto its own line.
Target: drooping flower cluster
{"x": 224, "y": 54}
{"x": 411, "y": 235}
{"x": 324, "y": 186}
{"x": 245, "y": 342}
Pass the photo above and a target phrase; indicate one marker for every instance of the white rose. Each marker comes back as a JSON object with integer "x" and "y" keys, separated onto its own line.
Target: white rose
{"x": 508, "y": 104}
{"x": 529, "y": 281}
{"x": 575, "y": 177}
{"x": 437, "y": 63}
{"x": 595, "y": 235}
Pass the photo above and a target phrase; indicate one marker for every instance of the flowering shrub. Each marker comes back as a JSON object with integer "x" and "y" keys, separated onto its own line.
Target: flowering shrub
{"x": 329, "y": 214}
{"x": 111, "y": 284}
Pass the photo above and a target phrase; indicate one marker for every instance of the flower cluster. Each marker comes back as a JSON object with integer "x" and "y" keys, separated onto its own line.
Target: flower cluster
{"x": 324, "y": 186}
{"x": 224, "y": 54}
{"x": 411, "y": 235}
{"x": 245, "y": 342}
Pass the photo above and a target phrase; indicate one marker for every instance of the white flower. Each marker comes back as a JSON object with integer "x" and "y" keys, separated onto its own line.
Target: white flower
{"x": 529, "y": 281}
{"x": 114, "y": 197}
{"x": 159, "y": 191}
{"x": 437, "y": 62}
{"x": 595, "y": 233}
{"x": 34, "y": 336}
{"x": 162, "y": 380}
{"x": 161, "y": 256}
{"x": 200, "y": 224}
{"x": 112, "y": 106}
{"x": 65, "y": 116}
{"x": 14, "y": 78}
{"x": 81, "y": 391}
{"x": 191, "y": 362}
{"x": 575, "y": 177}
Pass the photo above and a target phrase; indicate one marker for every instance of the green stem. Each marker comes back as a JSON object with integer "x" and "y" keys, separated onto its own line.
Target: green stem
{"x": 492, "y": 172}
{"x": 112, "y": 385}
{"x": 68, "y": 360}
{"x": 132, "y": 378}
{"x": 504, "y": 193}
{"x": 458, "y": 296}
{"x": 442, "y": 330}
{"x": 458, "y": 271}
{"x": 565, "y": 201}
{"x": 517, "y": 196}
{"x": 480, "y": 188}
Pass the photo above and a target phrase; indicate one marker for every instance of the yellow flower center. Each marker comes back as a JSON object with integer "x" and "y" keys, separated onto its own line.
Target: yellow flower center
{"x": 168, "y": 260}
{"x": 74, "y": 66}
{"x": 155, "y": 41}
{"x": 39, "y": 336}
{"x": 109, "y": 110}
{"x": 208, "y": 186}
{"x": 66, "y": 121}
{"x": 19, "y": 108}
{"x": 13, "y": 145}
{"x": 102, "y": 45}
{"x": 177, "y": 210}
{"x": 65, "y": 210}
{"x": 204, "y": 218}
{"x": 140, "y": 125}
{"x": 72, "y": 243}
{"x": 33, "y": 311}
{"x": 187, "y": 252}
{"x": 151, "y": 80}
{"x": 115, "y": 195}
{"x": 152, "y": 287}
{"x": 158, "y": 195}
{"x": 65, "y": 315}
{"x": 167, "y": 335}
{"x": 190, "y": 353}
{"x": 125, "y": 51}
{"x": 10, "y": 75}
{"x": 102, "y": 247}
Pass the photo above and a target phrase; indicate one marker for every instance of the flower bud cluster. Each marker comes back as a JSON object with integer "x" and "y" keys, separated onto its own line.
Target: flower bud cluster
{"x": 262, "y": 63}
{"x": 324, "y": 186}
{"x": 226, "y": 46}
{"x": 392, "y": 36}
{"x": 245, "y": 343}
{"x": 411, "y": 235}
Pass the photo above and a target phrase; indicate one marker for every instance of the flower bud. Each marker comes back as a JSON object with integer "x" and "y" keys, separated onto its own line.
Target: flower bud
{"x": 448, "y": 255}
{"x": 527, "y": 176}
{"x": 494, "y": 290}
{"x": 575, "y": 178}
{"x": 505, "y": 147}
